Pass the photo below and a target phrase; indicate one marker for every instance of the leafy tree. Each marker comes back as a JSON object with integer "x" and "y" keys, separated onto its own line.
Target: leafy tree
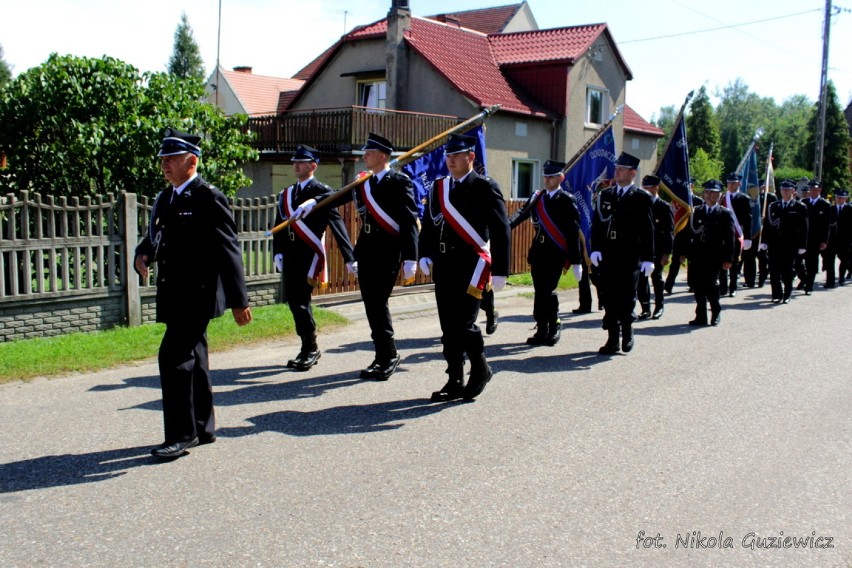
{"x": 665, "y": 122}
{"x": 80, "y": 126}
{"x": 185, "y": 60}
{"x": 788, "y": 132}
{"x": 703, "y": 167}
{"x": 702, "y": 126}
{"x": 5, "y": 70}
{"x": 741, "y": 113}
{"x": 835, "y": 163}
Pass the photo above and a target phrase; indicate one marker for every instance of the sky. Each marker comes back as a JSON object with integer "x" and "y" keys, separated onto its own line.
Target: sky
{"x": 670, "y": 46}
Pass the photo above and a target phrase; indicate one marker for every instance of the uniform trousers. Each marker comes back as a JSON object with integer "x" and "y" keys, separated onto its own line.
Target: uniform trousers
{"x": 811, "y": 266}
{"x": 618, "y": 281}
{"x": 749, "y": 265}
{"x": 376, "y": 278}
{"x": 728, "y": 278}
{"x": 545, "y": 277}
{"x": 185, "y": 381}
{"x": 656, "y": 282}
{"x": 781, "y": 270}
{"x": 298, "y": 292}
{"x": 704, "y": 277}
{"x": 829, "y": 258}
{"x": 457, "y": 310}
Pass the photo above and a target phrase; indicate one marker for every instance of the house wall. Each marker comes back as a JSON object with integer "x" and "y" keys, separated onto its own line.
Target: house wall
{"x": 228, "y": 100}
{"x": 643, "y": 147}
{"x": 523, "y": 21}
{"x": 330, "y": 90}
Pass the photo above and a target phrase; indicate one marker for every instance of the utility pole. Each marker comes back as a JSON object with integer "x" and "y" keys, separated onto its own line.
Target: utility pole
{"x": 218, "y": 44}
{"x": 819, "y": 147}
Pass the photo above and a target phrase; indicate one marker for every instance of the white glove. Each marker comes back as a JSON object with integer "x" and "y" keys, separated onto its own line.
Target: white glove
{"x": 746, "y": 244}
{"x": 352, "y": 268}
{"x": 303, "y": 209}
{"x": 763, "y": 246}
{"x": 278, "y": 260}
{"x": 647, "y": 268}
{"x": 596, "y": 258}
{"x": 802, "y": 251}
{"x": 426, "y": 265}
{"x": 409, "y": 269}
{"x": 578, "y": 272}
{"x": 498, "y": 283}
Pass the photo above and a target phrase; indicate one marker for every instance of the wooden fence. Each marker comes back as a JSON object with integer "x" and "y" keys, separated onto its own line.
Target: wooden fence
{"x": 67, "y": 264}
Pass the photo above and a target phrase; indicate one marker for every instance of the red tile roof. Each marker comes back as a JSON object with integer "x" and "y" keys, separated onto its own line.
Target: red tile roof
{"x": 553, "y": 45}
{"x": 258, "y": 93}
{"x": 485, "y": 20}
{"x": 635, "y": 123}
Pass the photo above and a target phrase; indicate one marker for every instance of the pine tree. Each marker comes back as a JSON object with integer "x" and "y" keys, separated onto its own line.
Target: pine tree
{"x": 5, "y": 70}
{"x": 186, "y": 61}
{"x": 835, "y": 162}
{"x": 702, "y": 126}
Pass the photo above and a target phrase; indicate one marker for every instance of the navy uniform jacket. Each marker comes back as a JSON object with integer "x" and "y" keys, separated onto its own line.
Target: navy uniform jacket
{"x": 844, "y": 231}
{"x": 786, "y": 229}
{"x": 833, "y": 217}
{"x": 663, "y": 226}
{"x": 562, "y": 210}
{"x": 288, "y": 243}
{"x": 395, "y": 196}
{"x": 193, "y": 239}
{"x": 623, "y": 228}
{"x": 818, "y": 221}
{"x": 714, "y": 237}
{"x": 741, "y": 205}
{"x": 479, "y": 200}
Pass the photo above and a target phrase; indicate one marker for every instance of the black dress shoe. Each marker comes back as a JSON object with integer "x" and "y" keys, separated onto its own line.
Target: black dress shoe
{"x": 554, "y": 332}
{"x": 698, "y": 322}
{"x": 644, "y": 314}
{"x": 203, "y": 440}
{"x": 732, "y": 294}
{"x": 658, "y": 313}
{"x": 491, "y": 323}
{"x": 581, "y": 310}
{"x": 715, "y": 319}
{"x": 828, "y": 286}
{"x": 776, "y": 300}
{"x": 477, "y": 381}
{"x": 807, "y": 292}
{"x": 667, "y": 289}
{"x": 785, "y": 301}
{"x": 381, "y": 369}
{"x": 304, "y": 360}
{"x": 174, "y": 450}
{"x": 451, "y": 391}
{"x": 539, "y": 337}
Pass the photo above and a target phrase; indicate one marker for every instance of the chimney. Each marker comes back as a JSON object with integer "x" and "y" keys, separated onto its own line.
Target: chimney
{"x": 396, "y": 55}
{"x": 449, "y": 19}
{"x": 243, "y": 69}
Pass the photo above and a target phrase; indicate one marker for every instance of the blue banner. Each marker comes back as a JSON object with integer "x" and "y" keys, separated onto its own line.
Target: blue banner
{"x": 426, "y": 169}
{"x": 749, "y": 186}
{"x": 589, "y": 173}
{"x": 673, "y": 172}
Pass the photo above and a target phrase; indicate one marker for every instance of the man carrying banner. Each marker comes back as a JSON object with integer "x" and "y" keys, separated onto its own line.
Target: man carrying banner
{"x": 819, "y": 210}
{"x": 463, "y": 210}
{"x": 299, "y": 250}
{"x": 663, "y": 240}
{"x": 389, "y": 227}
{"x": 555, "y": 247}
{"x": 740, "y": 205}
{"x": 756, "y": 275}
{"x": 711, "y": 250}
{"x": 786, "y": 234}
{"x": 622, "y": 246}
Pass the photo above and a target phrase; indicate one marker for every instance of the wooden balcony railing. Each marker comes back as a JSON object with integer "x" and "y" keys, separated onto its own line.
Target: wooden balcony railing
{"x": 344, "y": 129}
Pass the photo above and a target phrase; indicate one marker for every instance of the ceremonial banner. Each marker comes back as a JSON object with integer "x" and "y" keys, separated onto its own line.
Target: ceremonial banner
{"x": 426, "y": 169}
{"x": 673, "y": 171}
{"x": 749, "y": 187}
{"x": 589, "y": 173}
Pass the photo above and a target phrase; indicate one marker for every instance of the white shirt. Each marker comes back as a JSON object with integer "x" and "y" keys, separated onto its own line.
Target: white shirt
{"x": 179, "y": 189}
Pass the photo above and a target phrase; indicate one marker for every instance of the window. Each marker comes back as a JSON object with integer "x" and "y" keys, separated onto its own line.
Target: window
{"x": 523, "y": 178}
{"x": 372, "y": 94}
{"x": 597, "y": 107}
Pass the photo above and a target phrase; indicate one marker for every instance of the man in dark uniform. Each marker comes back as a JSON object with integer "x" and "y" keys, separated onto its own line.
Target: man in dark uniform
{"x": 622, "y": 247}
{"x": 835, "y": 248}
{"x": 463, "y": 210}
{"x": 388, "y": 210}
{"x": 193, "y": 239}
{"x": 680, "y": 245}
{"x": 755, "y": 267}
{"x": 555, "y": 247}
{"x": 740, "y": 205}
{"x": 819, "y": 210}
{"x": 299, "y": 249}
{"x": 844, "y": 235}
{"x": 711, "y": 250}
{"x": 786, "y": 238}
{"x": 663, "y": 240}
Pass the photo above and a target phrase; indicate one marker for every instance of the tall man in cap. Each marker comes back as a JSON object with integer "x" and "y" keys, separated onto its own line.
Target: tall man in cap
{"x": 711, "y": 250}
{"x": 555, "y": 247}
{"x": 622, "y": 247}
{"x": 786, "y": 238}
{"x": 819, "y": 210}
{"x": 663, "y": 240}
{"x": 387, "y": 207}
{"x": 754, "y": 263}
{"x": 193, "y": 239}
{"x": 844, "y": 235}
{"x": 836, "y": 248}
{"x": 463, "y": 210}
{"x": 299, "y": 249}
{"x": 740, "y": 205}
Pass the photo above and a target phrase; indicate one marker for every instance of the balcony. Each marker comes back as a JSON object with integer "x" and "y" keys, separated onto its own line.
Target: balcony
{"x": 340, "y": 130}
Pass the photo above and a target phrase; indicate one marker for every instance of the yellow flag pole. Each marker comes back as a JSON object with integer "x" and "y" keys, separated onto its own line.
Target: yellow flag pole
{"x": 399, "y": 161}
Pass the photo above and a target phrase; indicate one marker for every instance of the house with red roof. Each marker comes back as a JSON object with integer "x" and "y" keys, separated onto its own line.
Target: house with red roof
{"x": 242, "y": 92}
{"x": 409, "y": 77}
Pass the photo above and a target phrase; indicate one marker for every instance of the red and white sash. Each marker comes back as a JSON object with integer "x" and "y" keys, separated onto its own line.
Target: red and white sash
{"x": 482, "y": 273}
{"x": 379, "y": 214}
{"x": 318, "y": 271}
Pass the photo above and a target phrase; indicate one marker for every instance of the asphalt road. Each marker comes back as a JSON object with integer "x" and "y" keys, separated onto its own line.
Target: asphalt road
{"x": 567, "y": 459}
